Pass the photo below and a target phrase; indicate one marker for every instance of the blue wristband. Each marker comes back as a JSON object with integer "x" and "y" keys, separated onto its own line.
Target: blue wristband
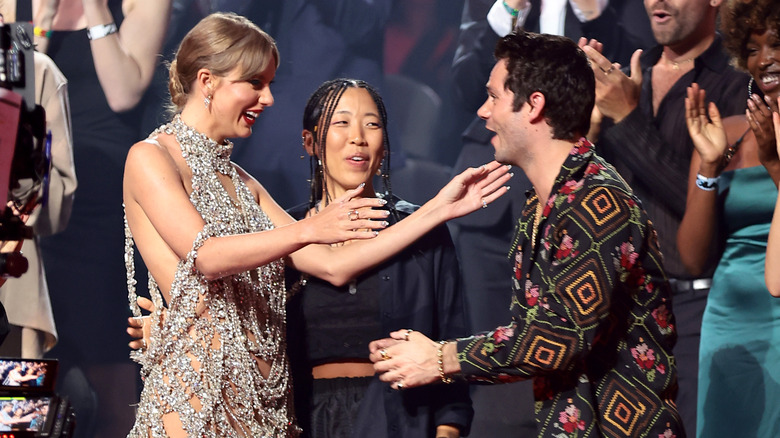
{"x": 706, "y": 184}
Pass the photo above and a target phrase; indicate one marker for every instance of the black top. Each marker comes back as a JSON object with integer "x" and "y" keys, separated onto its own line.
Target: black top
{"x": 340, "y": 322}
{"x": 419, "y": 288}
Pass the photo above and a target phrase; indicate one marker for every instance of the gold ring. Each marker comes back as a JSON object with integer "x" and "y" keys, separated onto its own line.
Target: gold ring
{"x": 609, "y": 70}
{"x": 355, "y": 213}
{"x": 408, "y": 332}
{"x": 383, "y": 354}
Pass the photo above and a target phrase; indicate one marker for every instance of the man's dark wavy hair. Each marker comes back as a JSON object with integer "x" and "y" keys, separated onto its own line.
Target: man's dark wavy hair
{"x": 556, "y": 67}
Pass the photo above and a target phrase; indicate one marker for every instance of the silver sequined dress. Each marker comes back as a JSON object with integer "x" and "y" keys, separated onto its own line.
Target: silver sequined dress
{"x": 214, "y": 332}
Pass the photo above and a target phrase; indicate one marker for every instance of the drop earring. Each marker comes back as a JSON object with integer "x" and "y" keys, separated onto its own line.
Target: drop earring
{"x": 207, "y": 101}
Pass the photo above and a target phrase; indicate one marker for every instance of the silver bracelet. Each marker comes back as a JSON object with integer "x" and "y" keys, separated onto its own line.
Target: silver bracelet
{"x": 706, "y": 184}
{"x": 101, "y": 31}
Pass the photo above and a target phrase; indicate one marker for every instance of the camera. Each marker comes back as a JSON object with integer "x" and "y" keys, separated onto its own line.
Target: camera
{"x": 25, "y": 148}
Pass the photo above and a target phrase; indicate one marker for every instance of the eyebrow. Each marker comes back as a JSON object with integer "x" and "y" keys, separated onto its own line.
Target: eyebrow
{"x": 350, "y": 113}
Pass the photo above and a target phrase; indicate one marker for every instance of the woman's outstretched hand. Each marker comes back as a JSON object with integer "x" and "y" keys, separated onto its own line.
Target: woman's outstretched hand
{"x": 705, "y": 128}
{"x": 349, "y": 218}
{"x": 474, "y": 188}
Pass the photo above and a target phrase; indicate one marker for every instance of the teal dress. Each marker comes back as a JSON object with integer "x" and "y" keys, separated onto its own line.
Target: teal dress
{"x": 739, "y": 369}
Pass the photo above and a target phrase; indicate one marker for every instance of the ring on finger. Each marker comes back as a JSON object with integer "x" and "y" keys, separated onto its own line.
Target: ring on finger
{"x": 143, "y": 344}
{"x": 484, "y": 203}
{"x": 408, "y": 332}
{"x": 383, "y": 354}
{"x": 609, "y": 70}
{"x": 399, "y": 384}
{"x": 353, "y": 215}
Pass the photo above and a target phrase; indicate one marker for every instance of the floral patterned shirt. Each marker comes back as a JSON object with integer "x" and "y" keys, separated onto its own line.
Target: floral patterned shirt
{"x": 592, "y": 317}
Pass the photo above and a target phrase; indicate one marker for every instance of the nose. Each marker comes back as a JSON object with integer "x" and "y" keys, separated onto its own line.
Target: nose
{"x": 767, "y": 57}
{"x": 356, "y": 135}
{"x": 266, "y": 97}
{"x": 484, "y": 111}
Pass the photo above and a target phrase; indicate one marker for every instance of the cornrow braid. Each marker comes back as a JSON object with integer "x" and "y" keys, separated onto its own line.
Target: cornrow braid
{"x": 317, "y": 116}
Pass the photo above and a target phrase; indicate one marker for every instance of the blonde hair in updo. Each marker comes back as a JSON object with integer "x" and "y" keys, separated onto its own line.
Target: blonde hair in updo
{"x": 220, "y": 42}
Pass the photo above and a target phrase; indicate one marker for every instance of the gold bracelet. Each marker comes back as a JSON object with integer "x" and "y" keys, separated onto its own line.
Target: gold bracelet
{"x": 440, "y": 355}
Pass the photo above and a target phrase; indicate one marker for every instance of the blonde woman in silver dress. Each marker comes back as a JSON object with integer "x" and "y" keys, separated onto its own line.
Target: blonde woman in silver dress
{"x": 215, "y": 242}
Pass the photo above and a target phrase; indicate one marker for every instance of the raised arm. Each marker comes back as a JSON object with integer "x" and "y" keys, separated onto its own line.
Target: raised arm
{"x": 165, "y": 223}
{"x": 473, "y": 189}
{"x": 697, "y": 227}
{"x": 124, "y": 61}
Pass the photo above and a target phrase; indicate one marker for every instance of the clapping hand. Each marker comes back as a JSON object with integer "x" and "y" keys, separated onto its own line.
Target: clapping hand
{"x": 705, "y": 128}
{"x": 616, "y": 94}
{"x": 759, "y": 115}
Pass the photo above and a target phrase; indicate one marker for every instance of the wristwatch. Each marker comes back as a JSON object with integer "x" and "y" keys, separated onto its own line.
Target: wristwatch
{"x": 101, "y": 30}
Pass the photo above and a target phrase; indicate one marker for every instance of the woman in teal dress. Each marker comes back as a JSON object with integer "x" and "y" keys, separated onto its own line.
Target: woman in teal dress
{"x": 731, "y": 195}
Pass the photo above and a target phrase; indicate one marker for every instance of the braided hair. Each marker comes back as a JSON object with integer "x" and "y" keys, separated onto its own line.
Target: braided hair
{"x": 317, "y": 116}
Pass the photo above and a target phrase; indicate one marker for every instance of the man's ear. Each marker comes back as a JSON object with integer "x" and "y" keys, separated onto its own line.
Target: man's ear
{"x": 536, "y": 102}
{"x": 307, "y": 139}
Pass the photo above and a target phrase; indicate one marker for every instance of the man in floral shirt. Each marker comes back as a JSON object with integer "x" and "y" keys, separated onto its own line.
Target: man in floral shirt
{"x": 593, "y": 323}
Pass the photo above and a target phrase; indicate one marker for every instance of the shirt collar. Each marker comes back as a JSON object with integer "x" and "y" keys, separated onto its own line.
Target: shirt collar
{"x": 579, "y": 156}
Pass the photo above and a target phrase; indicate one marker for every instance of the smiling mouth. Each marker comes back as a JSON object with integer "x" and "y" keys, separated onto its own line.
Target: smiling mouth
{"x": 770, "y": 78}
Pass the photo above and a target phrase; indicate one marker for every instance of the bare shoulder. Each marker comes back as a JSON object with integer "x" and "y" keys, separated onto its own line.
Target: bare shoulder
{"x": 155, "y": 157}
{"x": 156, "y": 147}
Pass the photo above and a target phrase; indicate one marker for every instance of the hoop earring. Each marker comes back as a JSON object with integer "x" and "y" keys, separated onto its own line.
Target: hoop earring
{"x": 750, "y": 87}
{"x": 207, "y": 101}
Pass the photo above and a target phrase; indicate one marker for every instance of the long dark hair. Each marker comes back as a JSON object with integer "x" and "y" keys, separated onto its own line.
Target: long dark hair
{"x": 316, "y": 119}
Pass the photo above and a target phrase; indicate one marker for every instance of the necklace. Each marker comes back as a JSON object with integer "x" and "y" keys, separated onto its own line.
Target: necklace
{"x": 198, "y": 145}
{"x": 675, "y": 64}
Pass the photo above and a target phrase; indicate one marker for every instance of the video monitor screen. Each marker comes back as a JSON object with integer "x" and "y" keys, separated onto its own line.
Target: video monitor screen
{"x": 24, "y": 414}
{"x": 27, "y": 375}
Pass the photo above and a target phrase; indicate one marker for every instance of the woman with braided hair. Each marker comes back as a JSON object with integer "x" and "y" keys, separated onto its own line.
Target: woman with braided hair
{"x": 329, "y": 327}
